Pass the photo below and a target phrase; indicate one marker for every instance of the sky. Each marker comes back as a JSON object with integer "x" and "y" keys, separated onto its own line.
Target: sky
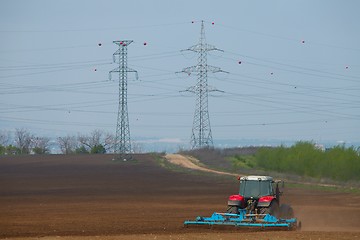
{"x": 292, "y": 68}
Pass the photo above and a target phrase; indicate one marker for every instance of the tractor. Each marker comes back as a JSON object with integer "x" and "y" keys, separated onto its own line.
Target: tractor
{"x": 256, "y": 205}
{"x": 260, "y": 195}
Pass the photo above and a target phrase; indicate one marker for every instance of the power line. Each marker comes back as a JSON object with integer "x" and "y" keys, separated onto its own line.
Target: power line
{"x": 286, "y": 38}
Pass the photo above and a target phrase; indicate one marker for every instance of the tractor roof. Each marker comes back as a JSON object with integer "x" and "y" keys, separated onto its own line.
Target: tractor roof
{"x": 257, "y": 178}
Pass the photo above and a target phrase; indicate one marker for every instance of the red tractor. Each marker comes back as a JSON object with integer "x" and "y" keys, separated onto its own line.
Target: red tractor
{"x": 259, "y": 195}
{"x": 256, "y": 205}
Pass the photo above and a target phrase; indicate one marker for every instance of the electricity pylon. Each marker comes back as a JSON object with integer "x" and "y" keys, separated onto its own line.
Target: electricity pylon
{"x": 122, "y": 145}
{"x": 201, "y": 131}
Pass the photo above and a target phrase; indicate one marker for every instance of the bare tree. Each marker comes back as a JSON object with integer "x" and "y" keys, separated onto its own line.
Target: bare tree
{"x": 23, "y": 140}
{"x": 5, "y": 137}
{"x": 108, "y": 142}
{"x": 91, "y": 140}
{"x": 41, "y": 145}
{"x": 68, "y": 144}
{"x": 97, "y": 138}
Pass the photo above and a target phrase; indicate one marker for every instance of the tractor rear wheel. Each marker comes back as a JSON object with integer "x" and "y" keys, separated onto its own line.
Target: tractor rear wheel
{"x": 273, "y": 209}
{"x": 286, "y": 211}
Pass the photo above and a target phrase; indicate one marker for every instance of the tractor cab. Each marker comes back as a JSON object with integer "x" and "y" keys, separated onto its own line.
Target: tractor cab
{"x": 257, "y": 194}
{"x": 254, "y": 187}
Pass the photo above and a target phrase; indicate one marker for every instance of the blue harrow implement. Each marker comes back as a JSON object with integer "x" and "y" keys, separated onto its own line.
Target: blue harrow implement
{"x": 256, "y": 205}
{"x": 245, "y": 220}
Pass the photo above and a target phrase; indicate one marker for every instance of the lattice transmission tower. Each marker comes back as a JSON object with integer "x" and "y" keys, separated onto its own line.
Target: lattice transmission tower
{"x": 122, "y": 145}
{"x": 201, "y": 131}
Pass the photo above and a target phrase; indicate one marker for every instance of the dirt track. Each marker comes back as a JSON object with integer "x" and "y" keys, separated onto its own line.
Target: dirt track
{"x": 188, "y": 162}
{"x": 80, "y": 197}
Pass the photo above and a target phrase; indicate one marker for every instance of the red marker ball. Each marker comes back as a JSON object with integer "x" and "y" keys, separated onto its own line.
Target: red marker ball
{"x": 212, "y": 23}
{"x": 145, "y": 43}
{"x": 239, "y": 62}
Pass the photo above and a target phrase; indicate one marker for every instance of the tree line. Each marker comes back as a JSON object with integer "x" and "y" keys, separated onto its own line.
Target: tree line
{"x": 22, "y": 141}
{"x": 305, "y": 159}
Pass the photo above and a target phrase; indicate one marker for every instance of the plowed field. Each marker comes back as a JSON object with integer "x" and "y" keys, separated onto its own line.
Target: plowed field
{"x": 88, "y": 196}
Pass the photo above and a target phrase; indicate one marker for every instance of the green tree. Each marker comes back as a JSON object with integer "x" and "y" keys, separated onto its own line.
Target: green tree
{"x": 2, "y": 150}
{"x": 81, "y": 150}
{"x": 12, "y": 150}
{"x": 38, "y": 150}
{"x": 98, "y": 149}
{"x": 305, "y": 159}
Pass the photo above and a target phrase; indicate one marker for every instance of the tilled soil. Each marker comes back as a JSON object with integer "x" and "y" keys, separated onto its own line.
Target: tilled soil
{"x": 83, "y": 196}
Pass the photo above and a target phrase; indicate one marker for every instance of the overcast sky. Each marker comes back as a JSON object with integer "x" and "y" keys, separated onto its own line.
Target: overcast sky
{"x": 299, "y": 77}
